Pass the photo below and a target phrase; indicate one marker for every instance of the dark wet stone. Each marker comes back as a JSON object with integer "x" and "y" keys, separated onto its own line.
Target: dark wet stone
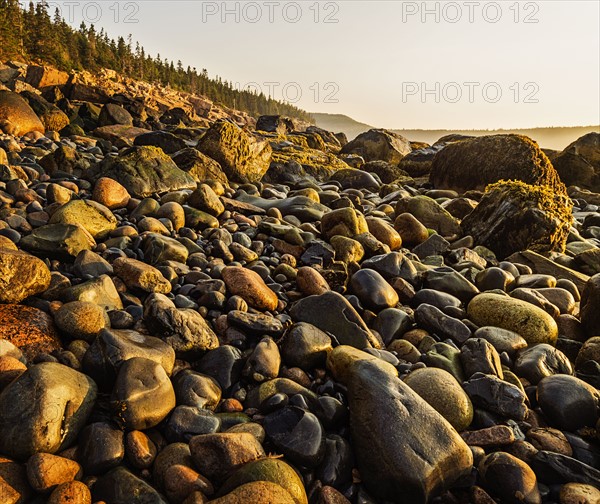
{"x": 121, "y": 487}
{"x": 405, "y": 450}
{"x": 186, "y": 422}
{"x": 437, "y": 322}
{"x": 318, "y": 252}
{"x": 436, "y": 298}
{"x": 113, "y": 347}
{"x": 434, "y": 245}
{"x": 391, "y": 324}
{"x": 338, "y": 461}
{"x": 535, "y": 298}
{"x": 372, "y": 290}
{"x": 494, "y": 278}
{"x": 553, "y": 468}
{"x": 568, "y": 402}
{"x": 509, "y": 478}
{"x": 497, "y": 396}
{"x": 305, "y": 346}
{"x": 255, "y": 323}
{"x": 297, "y": 434}
{"x": 447, "y": 357}
{"x": 393, "y": 265}
{"x": 446, "y": 279}
{"x": 503, "y": 340}
{"x": 195, "y": 389}
{"x": 535, "y": 281}
{"x": 332, "y": 313}
{"x": 540, "y": 361}
{"x": 479, "y": 356}
{"x": 224, "y": 364}
{"x": 100, "y": 447}
{"x": 330, "y": 411}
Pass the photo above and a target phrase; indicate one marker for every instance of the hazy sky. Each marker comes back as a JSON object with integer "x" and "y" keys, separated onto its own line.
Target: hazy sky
{"x": 394, "y": 64}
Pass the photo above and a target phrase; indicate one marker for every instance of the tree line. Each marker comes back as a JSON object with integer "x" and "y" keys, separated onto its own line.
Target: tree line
{"x": 32, "y": 35}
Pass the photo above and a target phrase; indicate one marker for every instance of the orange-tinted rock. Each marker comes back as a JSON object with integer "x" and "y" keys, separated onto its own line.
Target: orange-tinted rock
{"x": 310, "y": 281}
{"x": 29, "y": 329}
{"x": 74, "y": 492}
{"x": 14, "y": 488}
{"x": 110, "y": 193}
{"x": 250, "y": 286}
{"x": 21, "y": 275}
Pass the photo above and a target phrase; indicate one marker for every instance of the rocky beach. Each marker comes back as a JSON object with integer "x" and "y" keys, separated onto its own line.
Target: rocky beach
{"x": 197, "y": 306}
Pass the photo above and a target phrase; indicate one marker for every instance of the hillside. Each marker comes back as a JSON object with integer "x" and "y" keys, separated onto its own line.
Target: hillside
{"x": 33, "y": 36}
{"x": 550, "y": 138}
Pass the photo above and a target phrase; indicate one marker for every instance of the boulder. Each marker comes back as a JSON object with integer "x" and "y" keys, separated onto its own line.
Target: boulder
{"x": 16, "y": 116}
{"x": 199, "y": 166}
{"x": 44, "y": 76}
{"x": 405, "y": 450}
{"x": 477, "y": 162}
{"x": 51, "y": 116}
{"x": 44, "y": 409}
{"x": 429, "y": 213}
{"x": 579, "y": 163}
{"x": 514, "y": 216}
{"x": 144, "y": 171}
{"x": 112, "y": 113}
{"x": 379, "y": 145}
{"x": 242, "y": 157}
{"x": 418, "y": 162}
{"x": 275, "y": 124}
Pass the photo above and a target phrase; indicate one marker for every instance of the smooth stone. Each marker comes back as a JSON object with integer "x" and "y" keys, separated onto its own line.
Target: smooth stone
{"x": 590, "y": 300}
{"x": 44, "y": 409}
{"x": 511, "y": 479}
{"x": 407, "y": 451}
{"x": 297, "y": 434}
{"x": 249, "y": 286}
{"x": 65, "y": 241}
{"x": 447, "y": 280}
{"x": 218, "y": 455}
{"x": 531, "y": 322}
{"x": 45, "y": 471}
{"x": 110, "y": 193}
{"x": 436, "y": 298}
{"x": 391, "y": 324}
{"x": 113, "y": 347}
{"x": 331, "y": 312}
{"x": 497, "y": 396}
{"x": 373, "y": 290}
{"x": 442, "y": 392}
{"x": 120, "y": 486}
{"x": 264, "y": 361}
{"x": 81, "y": 320}
{"x": 224, "y": 364}
{"x": 568, "y": 402}
{"x": 503, "y": 340}
{"x": 447, "y": 357}
{"x": 186, "y": 422}
{"x": 73, "y": 492}
{"x": 196, "y": 389}
{"x": 100, "y": 447}
{"x": 437, "y": 322}
{"x": 392, "y": 265}
{"x": 342, "y": 359}
{"x": 579, "y": 493}
{"x": 338, "y": 462}
{"x": 497, "y": 435}
{"x": 257, "y": 492}
{"x": 259, "y": 395}
{"x": 271, "y": 470}
{"x": 310, "y": 281}
{"x": 140, "y": 450}
{"x": 540, "y": 361}
{"x": 305, "y": 346}
{"x": 494, "y": 278}
{"x": 343, "y": 222}
{"x": 547, "y": 438}
{"x": 143, "y": 394}
{"x": 410, "y": 229}
{"x": 561, "y": 298}
{"x": 158, "y": 248}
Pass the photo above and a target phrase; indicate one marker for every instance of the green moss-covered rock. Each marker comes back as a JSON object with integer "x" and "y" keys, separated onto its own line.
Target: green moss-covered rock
{"x": 143, "y": 171}
{"x": 242, "y": 156}
{"x": 51, "y": 116}
{"x": 477, "y": 162}
{"x": 429, "y": 213}
{"x": 514, "y": 216}
{"x": 199, "y": 166}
